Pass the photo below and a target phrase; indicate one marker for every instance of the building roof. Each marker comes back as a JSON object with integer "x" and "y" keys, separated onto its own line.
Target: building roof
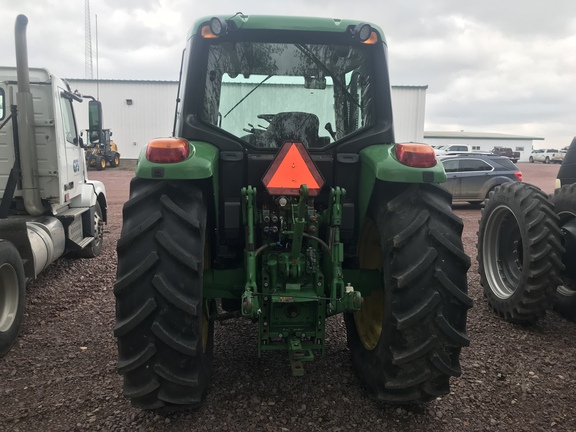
{"x": 137, "y": 81}
{"x": 421, "y": 87}
{"x": 477, "y": 135}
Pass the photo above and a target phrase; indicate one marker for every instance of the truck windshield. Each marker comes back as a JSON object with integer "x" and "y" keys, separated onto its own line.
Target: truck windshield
{"x": 267, "y": 93}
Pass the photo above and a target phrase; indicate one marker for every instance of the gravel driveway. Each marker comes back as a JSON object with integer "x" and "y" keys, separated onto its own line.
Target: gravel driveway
{"x": 61, "y": 374}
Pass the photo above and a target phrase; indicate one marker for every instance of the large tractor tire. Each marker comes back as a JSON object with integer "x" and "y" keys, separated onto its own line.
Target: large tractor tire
{"x": 564, "y": 201}
{"x": 95, "y": 247}
{"x": 405, "y": 342}
{"x": 519, "y": 252}
{"x": 165, "y": 341}
{"x": 12, "y": 295}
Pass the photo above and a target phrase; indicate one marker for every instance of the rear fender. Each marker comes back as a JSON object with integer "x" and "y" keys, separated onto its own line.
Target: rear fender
{"x": 201, "y": 165}
{"x": 379, "y": 163}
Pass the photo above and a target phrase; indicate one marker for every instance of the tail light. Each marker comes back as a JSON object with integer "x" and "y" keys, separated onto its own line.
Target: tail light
{"x": 416, "y": 155}
{"x": 518, "y": 175}
{"x": 167, "y": 150}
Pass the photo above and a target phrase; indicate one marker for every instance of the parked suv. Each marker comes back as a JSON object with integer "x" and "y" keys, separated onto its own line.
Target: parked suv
{"x": 472, "y": 177}
{"x": 542, "y": 155}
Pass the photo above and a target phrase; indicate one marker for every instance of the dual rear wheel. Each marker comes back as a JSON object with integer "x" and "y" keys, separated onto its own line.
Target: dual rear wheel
{"x": 520, "y": 252}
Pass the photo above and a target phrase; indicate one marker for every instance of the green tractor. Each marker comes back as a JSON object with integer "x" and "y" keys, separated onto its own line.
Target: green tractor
{"x": 252, "y": 211}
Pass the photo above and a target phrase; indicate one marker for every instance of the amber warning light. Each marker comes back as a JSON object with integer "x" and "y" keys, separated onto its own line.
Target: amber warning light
{"x": 292, "y": 167}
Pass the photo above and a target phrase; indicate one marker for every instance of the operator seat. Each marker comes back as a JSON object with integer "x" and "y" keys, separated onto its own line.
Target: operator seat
{"x": 292, "y": 126}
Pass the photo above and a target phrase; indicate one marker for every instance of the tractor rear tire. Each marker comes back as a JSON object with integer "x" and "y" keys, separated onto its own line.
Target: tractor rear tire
{"x": 519, "y": 252}
{"x": 165, "y": 341}
{"x": 564, "y": 200}
{"x": 95, "y": 247}
{"x": 12, "y": 295}
{"x": 405, "y": 342}
{"x": 115, "y": 160}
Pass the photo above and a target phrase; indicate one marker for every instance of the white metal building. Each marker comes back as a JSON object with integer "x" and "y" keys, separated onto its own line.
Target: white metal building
{"x": 484, "y": 142}
{"x": 135, "y": 111}
{"x": 138, "y": 111}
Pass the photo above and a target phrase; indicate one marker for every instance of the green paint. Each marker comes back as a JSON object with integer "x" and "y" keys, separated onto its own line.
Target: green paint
{"x": 379, "y": 162}
{"x": 202, "y": 163}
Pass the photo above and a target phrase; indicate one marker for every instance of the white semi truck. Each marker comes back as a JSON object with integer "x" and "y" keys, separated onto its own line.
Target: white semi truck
{"x": 48, "y": 206}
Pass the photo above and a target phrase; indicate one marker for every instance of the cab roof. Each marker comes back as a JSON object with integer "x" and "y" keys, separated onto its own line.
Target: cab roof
{"x": 295, "y": 23}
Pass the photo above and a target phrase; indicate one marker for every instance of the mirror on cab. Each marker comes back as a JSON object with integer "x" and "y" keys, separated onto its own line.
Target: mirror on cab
{"x": 94, "y": 123}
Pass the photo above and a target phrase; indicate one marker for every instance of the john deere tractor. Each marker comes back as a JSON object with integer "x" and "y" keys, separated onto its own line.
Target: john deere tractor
{"x": 252, "y": 210}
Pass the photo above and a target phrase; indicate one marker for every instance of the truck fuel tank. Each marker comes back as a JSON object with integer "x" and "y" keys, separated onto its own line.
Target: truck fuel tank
{"x": 47, "y": 240}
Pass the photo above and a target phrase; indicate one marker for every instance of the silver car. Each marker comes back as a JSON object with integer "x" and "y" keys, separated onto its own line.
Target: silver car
{"x": 471, "y": 177}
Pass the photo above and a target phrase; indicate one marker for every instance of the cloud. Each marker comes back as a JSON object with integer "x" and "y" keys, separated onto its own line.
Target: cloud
{"x": 496, "y": 66}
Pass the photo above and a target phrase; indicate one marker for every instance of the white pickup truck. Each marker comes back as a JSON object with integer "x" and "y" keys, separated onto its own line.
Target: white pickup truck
{"x": 453, "y": 149}
{"x": 559, "y": 157}
{"x": 544, "y": 155}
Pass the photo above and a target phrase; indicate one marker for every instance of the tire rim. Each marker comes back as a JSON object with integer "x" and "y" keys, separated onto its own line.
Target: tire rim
{"x": 502, "y": 252}
{"x": 98, "y": 228}
{"x": 9, "y": 296}
{"x": 116, "y": 160}
{"x": 370, "y": 318}
{"x": 103, "y": 163}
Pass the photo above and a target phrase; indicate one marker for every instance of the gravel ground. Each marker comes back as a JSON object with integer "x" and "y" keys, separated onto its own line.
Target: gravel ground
{"x": 61, "y": 374}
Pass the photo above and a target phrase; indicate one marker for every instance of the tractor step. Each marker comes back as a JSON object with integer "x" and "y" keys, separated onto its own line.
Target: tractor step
{"x": 298, "y": 354}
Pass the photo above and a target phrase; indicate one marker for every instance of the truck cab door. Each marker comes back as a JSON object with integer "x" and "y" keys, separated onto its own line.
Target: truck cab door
{"x": 71, "y": 164}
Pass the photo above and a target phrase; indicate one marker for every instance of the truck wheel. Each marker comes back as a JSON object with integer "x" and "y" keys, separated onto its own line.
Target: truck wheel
{"x": 519, "y": 252}
{"x": 564, "y": 200}
{"x": 95, "y": 247}
{"x": 12, "y": 295}
{"x": 115, "y": 161}
{"x": 405, "y": 342}
{"x": 100, "y": 163}
{"x": 165, "y": 341}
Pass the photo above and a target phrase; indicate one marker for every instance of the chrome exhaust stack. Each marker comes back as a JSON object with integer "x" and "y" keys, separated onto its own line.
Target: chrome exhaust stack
{"x": 26, "y": 130}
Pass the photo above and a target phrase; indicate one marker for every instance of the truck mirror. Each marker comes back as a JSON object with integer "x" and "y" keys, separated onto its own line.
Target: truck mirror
{"x": 94, "y": 121}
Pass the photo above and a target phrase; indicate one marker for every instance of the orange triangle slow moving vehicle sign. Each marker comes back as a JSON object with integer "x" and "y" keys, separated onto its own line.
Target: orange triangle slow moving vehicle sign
{"x": 291, "y": 168}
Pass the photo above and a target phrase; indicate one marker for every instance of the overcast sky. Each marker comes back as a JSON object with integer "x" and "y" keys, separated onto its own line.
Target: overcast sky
{"x": 505, "y": 66}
